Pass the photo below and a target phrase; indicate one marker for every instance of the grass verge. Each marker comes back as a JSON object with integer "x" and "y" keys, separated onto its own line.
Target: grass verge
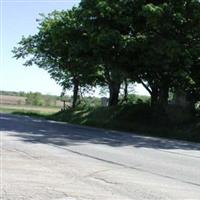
{"x": 28, "y": 109}
{"x": 131, "y": 118}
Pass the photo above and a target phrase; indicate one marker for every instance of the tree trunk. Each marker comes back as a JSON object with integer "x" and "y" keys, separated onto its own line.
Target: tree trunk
{"x": 75, "y": 92}
{"x": 154, "y": 96}
{"x": 125, "y": 91}
{"x": 159, "y": 101}
{"x": 159, "y": 95}
{"x": 114, "y": 80}
{"x": 164, "y": 95}
{"x": 114, "y": 88}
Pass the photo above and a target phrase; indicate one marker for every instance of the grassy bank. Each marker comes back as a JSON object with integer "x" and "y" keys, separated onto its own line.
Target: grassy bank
{"x": 132, "y": 118}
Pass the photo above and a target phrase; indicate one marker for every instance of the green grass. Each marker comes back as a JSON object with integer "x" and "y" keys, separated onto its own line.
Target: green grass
{"x": 132, "y": 118}
{"x": 28, "y": 109}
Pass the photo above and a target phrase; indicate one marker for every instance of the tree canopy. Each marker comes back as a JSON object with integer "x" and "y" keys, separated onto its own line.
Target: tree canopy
{"x": 104, "y": 42}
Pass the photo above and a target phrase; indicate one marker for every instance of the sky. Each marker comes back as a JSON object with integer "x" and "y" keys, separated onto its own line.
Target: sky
{"x": 18, "y": 18}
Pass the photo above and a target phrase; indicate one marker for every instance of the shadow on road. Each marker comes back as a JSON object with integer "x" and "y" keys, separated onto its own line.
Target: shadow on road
{"x": 49, "y": 132}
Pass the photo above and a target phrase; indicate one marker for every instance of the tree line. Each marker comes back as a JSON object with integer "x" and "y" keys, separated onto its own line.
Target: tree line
{"x": 110, "y": 43}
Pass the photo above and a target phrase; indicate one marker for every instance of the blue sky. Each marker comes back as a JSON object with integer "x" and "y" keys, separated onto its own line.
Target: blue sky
{"x": 18, "y": 17}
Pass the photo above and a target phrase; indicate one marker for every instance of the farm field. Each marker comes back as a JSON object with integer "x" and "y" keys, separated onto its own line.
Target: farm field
{"x": 18, "y": 100}
{"x": 10, "y": 104}
{"x": 26, "y": 108}
{"x": 12, "y": 100}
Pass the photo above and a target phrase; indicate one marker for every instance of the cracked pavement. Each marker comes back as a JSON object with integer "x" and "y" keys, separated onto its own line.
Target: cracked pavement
{"x": 44, "y": 160}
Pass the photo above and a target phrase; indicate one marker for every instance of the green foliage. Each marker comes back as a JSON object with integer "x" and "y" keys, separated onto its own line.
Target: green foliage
{"x": 165, "y": 45}
{"x": 61, "y": 47}
{"x": 91, "y": 102}
{"x": 136, "y": 118}
{"x": 34, "y": 98}
{"x": 104, "y": 42}
{"x": 135, "y": 99}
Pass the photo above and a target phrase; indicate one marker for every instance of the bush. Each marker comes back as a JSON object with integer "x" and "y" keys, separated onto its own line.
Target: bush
{"x": 34, "y": 98}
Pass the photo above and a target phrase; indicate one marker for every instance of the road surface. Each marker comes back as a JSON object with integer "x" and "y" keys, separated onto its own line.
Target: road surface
{"x": 44, "y": 160}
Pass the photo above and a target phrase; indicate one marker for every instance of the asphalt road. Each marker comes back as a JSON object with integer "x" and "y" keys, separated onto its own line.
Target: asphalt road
{"x": 44, "y": 160}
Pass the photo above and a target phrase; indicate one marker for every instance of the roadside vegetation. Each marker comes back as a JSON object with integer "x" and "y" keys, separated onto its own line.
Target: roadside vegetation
{"x": 129, "y": 118}
{"x": 136, "y": 117}
{"x": 132, "y": 118}
{"x": 114, "y": 44}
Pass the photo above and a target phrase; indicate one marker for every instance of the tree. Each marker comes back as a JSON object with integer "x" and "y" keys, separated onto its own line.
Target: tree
{"x": 34, "y": 98}
{"x": 165, "y": 45}
{"x": 61, "y": 48}
{"x": 104, "y": 42}
{"x": 107, "y": 24}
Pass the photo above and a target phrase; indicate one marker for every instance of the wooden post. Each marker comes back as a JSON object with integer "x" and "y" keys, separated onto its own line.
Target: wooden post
{"x": 64, "y": 104}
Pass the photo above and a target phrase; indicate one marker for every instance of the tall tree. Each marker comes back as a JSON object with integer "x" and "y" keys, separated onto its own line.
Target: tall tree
{"x": 165, "y": 44}
{"x": 107, "y": 22}
{"x": 60, "y": 47}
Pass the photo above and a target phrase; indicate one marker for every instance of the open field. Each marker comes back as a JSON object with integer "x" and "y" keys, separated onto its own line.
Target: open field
{"x": 18, "y": 100}
{"x": 28, "y": 109}
{"x": 12, "y": 100}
